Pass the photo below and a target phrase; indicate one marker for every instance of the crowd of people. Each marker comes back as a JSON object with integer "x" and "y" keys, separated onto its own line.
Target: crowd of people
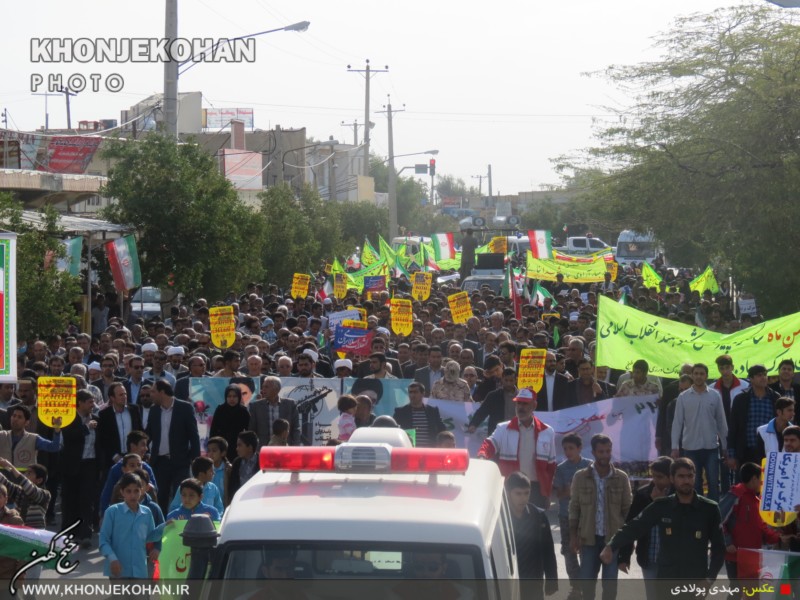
{"x": 133, "y": 452}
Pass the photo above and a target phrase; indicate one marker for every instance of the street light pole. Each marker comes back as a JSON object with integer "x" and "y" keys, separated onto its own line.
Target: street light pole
{"x": 171, "y": 67}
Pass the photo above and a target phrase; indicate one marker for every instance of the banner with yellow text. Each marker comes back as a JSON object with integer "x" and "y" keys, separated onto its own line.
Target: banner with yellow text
{"x": 460, "y": 307}
{"x": 402, "y": 316}
{"x": 530, "y": 373}
{"x": 421, "y": 285}
{"x": 223, "y": 326}
{"x": 56, "y": 398}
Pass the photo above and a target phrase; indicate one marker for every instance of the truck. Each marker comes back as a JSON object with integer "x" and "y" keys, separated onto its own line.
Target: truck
{"x": 585, "y": 244}
{"x": 374, "y": 508}
{"x": 633, "y": 246}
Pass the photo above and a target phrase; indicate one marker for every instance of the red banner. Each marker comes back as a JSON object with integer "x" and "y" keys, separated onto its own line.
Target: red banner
{"x": 70, "y": 154}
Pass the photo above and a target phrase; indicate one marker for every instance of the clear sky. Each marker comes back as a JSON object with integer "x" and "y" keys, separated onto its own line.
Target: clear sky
{"x": 500, "y": 83}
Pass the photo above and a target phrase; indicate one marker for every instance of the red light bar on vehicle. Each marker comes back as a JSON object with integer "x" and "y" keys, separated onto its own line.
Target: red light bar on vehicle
{"x": 347, "y": 459}
{"x": 296, "y": 458}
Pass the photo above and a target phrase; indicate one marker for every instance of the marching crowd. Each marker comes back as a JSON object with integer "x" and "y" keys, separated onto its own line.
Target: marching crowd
{"x": 133, "y": 455}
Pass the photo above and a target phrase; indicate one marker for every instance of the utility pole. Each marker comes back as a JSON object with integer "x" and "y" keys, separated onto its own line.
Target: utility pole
{"x": 6, "y": 139}
{"x": 368, "y": 73}
{"x": 354, "y": 125}
{"x": 171, "y": 72}
{"x": 46, "y": 113}
{"x": 67, "y": 93}
{"x": 392, "y": 174}
{"x": 489, "y": 177}
{"x": 480, "y": 182}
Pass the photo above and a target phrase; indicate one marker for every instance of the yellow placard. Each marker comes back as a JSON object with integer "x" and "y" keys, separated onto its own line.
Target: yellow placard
{"x": 223, "y": 326}
{"x": 355, "y": 324}
{"x": 421, "y": 285}
{"x": 531, "y": 369}
{"x": 499, "y": 245}
{"x": 361, "y": 311}
{"x": 402, "y": 316}
{"x": 460, "y": 308}
{"x": 612, "y": 267}
{"x": 547, "y": 316}
{"x": 56, "y": 399}
{"x": 300, "y": 283}
{"x": 339, "y": 285}
{"x": 328, "y": 268}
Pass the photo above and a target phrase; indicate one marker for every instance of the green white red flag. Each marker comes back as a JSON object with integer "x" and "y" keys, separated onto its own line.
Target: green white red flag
{"x": 124, "y": 261}
{"x": 443, "y": 246}
{"x": 541, "y": 242}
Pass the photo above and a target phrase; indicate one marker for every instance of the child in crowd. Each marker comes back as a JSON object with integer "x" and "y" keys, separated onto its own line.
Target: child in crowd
{"x": 445, "y": 439}
{"x": 126, "y": 529}
{"x": 131, "y": 463}
{"x": 245, "y": 465}
{"x": 347, "y": 406}
{"x": 562, "y": 484}
{"x": 280, "y": 433}
{"x": 536, "y": 555}
{"x": 203, "y": 471}
{"x": 191, "y": 492}
{"x": 742, "y": 523}
{"x": 147, "y": 500}
{"x": 136, "y": 442}
{"x": 218, "y": 453}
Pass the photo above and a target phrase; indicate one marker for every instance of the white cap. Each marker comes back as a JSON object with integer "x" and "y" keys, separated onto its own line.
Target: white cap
{"x": 343, "y": 363}
{"x": 150, "y": 347}
{"x": 173, "y": 350}
{"x": 573, "y": 316}
{"x": 94, "y": 366}
{"x": 311, "y": 354}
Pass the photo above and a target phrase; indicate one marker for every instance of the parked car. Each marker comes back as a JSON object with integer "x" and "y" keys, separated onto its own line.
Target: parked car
{"x": 146, "y": 303}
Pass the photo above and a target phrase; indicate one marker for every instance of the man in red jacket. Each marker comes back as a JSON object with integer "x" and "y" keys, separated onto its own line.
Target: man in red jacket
{"x": 742, "y": 525}
{"x": 525, "y": 444}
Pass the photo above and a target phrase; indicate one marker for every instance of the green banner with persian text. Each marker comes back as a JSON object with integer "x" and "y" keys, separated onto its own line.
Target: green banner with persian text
{"x": 625, "y": 335}
{"x": 547, "y": 269}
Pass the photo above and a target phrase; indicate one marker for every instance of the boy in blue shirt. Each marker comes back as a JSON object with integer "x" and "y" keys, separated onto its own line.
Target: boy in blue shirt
{"x": 203, "y": 471}
{"x": 562, "y": 484}
{"x": 218, "y": 453}
{"x": 127, "y": 527}
{"x": 191, "y": 492}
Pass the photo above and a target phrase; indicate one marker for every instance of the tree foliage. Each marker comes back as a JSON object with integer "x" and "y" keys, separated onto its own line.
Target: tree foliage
{"x": 45, "y": 296}
{"x": 708, "y": 157}
{"x": 191, "y": 226}
{"x": 360, "y": 220}
{"x": 410, "y": 193}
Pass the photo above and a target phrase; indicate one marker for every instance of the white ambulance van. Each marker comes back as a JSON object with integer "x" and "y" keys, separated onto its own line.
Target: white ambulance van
{"x": 373, "y": 507}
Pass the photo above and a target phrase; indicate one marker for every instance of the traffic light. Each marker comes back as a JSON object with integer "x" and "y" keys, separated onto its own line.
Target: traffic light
{"x": 432, "y": 167}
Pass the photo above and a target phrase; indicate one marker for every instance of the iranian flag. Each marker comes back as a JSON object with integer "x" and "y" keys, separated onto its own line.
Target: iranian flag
{"x": 124, "y": 262}
{"x": 539, "y": 294}
{"x": 541, "y": 243}
{"x": 780, "y": 569}
{"x": 18, "y": 541}
{"x": 443, "y": 247}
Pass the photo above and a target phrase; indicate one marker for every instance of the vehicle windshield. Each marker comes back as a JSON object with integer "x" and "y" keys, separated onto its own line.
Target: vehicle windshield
{"x": 470, "y": 285}
{"x": 636, "y": 249}
{"x": 148, "y": 294}
{"x": 350, "y": 560}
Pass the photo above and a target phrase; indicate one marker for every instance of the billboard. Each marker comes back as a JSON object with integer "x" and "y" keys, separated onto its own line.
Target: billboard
{"x": 69, "y": 154}
{"x": 219, "y": 118}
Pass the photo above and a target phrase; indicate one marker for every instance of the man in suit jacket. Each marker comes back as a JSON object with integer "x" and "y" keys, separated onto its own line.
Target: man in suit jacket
{"x": 197, "y": 368}
{"x": 114, "y": 423}
{"x": 172, "y": 449}
{"x": 264, "y": 412}
{"x": 555, "y": 392}
{"x": 79, "y": 489}
{"x": 495, "y": 403}
{"x": 586, "y": 388}
{"x": 135, "y": 382}
{"x": 427, "y": 427}
{"x": 429, "y": 375}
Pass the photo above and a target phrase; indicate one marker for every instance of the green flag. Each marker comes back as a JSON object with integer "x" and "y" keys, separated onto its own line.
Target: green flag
{"x": 368, "y": 254}
{"x": 705, "y": 281}
{"x": 650, "y": 276}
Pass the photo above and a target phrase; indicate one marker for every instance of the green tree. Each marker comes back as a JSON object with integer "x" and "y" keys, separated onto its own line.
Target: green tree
{"x": 45, "y": 296}
{"x": 410, "y": 193}
{"x": 448, "y": 185}
{"x": 708, "y": 157}
{"x": 360, "y": 220}
{"x": 191, "y": 225}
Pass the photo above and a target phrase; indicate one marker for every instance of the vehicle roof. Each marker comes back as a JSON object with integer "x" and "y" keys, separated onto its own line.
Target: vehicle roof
{"x": 457, "y": 509}
{"x": 629, "y": 235}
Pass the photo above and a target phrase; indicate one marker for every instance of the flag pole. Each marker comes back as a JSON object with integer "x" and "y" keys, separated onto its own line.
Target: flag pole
{"x": 89, "y": 283}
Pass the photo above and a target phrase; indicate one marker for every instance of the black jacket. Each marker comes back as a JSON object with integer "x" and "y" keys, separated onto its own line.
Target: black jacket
{"x": 184, "y": 440}
{"x": 406, "y": 421}
{"x": 74, "y": 437}
{"x": 494, "y": 407}
{"x": 641, "y": 500}
{"x": 686, "y": 532}
{"x": 562, "y": 394}
{"x": 737, "y": 431}
{"x": 107, "y": 434}
{"x": 536, "y": 556}
{"x": 228, "y": 422}
{"x": 608, "y": 391}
